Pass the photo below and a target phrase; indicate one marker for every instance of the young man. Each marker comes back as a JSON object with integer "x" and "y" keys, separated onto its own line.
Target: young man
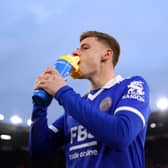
{"x": 104, "y": 129}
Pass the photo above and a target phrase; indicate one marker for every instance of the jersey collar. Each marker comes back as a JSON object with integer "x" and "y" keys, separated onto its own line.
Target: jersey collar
{"x": 108, "y": 85}
{"x": 112, "y": 82}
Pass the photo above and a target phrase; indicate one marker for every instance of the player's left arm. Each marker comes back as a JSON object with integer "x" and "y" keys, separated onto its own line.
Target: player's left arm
{"x": 116, "y": 130}
{"x": 134, "y": 108}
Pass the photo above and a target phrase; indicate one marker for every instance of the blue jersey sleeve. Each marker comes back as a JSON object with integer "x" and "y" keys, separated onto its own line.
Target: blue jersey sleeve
{"x": 117, "y": 131}
{"x": 135, "y": 99}
{"x": 44, "y": 140}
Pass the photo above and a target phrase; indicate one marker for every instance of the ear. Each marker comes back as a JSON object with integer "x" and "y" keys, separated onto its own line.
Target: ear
{"x": 107, "y": 55}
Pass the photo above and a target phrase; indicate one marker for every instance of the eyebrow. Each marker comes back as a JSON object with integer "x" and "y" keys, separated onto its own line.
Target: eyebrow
{"x": 82, "y": 45}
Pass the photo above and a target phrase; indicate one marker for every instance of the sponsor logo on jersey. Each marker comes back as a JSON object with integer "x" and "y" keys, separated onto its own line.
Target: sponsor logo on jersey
{"x": 105, "y": 104}
{"x": 135, "y": 91}
{"x": 82, "y": 143}
{"x": 79, "y": 134}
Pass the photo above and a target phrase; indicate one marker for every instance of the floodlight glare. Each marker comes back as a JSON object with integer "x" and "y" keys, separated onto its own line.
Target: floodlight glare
{"x": 2, "y": 117}
{"x": 5, "y": 137}
{"x": 162, "y": 104}
{"x": 16, "y": 119}
{"x": 153, "y": 125}
{"x": 29, "y": 122}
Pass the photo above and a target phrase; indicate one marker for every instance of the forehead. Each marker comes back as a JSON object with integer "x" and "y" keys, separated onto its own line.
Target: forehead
{"x": 89, "y": 40}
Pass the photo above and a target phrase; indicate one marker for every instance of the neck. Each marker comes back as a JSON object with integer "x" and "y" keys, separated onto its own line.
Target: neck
{"x": 100, "y": 80}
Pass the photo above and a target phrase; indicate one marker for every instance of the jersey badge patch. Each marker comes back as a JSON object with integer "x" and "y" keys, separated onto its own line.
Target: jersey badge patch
{"x": 105, "y": 104}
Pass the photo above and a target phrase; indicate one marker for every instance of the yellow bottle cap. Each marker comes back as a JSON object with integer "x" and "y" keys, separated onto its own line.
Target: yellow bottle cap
{"x": 73, "y": 60}
{"x": 75, "y": 74}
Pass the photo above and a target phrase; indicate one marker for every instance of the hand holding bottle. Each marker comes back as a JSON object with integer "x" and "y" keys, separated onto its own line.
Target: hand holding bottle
{"x": 48, "y": 83}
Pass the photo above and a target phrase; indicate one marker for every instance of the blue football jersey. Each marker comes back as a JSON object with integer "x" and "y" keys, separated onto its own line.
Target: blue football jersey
{"x": 106, "y": 128}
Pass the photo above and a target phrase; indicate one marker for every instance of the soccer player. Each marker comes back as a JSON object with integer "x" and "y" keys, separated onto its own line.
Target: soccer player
{"x": 106, "y": 128}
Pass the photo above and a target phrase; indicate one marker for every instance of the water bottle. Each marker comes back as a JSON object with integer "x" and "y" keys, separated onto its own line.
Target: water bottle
{"x": 66, "y": 65}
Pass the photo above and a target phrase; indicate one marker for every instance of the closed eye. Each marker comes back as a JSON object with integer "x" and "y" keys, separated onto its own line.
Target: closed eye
{"x": 84, "y": 46}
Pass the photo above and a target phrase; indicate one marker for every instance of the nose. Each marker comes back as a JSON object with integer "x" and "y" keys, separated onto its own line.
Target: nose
{"x": 76, "y": 52}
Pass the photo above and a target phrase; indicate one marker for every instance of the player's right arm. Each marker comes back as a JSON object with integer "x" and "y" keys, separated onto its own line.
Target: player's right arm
{"x": 44, "y": 139}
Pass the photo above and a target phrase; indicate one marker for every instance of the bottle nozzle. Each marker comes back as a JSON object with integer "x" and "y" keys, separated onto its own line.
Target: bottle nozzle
{"x": 74, "y": 61}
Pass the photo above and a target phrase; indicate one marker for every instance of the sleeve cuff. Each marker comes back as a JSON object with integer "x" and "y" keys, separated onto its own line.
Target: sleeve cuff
{"x": 60, "y": 92}
{"x": 38, "y": 111}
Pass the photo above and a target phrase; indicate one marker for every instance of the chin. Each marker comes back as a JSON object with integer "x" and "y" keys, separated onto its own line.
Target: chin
{"x": 81, "y": 76}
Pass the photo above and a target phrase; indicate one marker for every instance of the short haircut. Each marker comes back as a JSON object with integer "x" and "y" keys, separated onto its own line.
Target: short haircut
{"x": 107, "y": 39}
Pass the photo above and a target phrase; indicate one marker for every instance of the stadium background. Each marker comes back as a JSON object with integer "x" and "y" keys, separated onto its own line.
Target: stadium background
{"x": 14, "y": 153}
{"x": 33, "y": 34}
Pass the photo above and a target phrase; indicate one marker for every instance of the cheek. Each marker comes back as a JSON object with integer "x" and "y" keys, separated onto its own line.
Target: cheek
{"x": 91, "y": 66}
{"x": 85, "y": 65}
{"x": 91, "y": 61}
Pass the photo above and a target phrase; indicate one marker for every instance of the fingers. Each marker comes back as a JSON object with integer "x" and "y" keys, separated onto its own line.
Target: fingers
{"x": 50, "y": 80}
{"x": 50, "y": 73}
{"x": 51, "y": 70}
{"x": 40, "y": 80}
{"x": 37, "y": 83}
{"x": 40, "y": 83}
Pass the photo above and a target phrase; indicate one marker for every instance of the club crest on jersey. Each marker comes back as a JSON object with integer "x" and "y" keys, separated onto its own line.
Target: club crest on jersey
{"x": 105, "y": 104}
{"x": 135, "y": 91}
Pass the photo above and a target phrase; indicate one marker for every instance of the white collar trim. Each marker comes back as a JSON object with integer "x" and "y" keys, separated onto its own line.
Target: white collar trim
{"x": 108, "y": 85}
